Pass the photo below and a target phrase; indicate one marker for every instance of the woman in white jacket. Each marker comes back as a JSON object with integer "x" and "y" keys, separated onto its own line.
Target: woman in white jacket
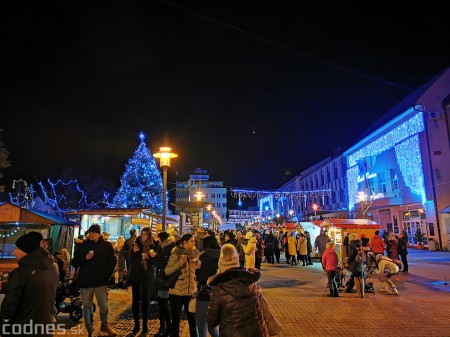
{"x": 250, "y": 250}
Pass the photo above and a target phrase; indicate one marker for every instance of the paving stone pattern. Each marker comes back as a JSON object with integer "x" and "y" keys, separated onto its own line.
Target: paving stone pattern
{"x": 297, "y": 296}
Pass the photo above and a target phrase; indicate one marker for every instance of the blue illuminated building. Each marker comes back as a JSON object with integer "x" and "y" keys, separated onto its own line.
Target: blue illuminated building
{"x": 402, "y": 166}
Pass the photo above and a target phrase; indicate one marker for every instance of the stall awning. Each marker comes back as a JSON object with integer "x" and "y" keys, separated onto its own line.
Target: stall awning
{"x": 347, "y": 223}
{"x": 446, "y": 210}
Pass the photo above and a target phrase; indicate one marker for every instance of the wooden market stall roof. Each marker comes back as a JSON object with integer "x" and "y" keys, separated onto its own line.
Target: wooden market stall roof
{"x": 347, "y": 223}
{"x": 10, "y": 213}
{"x": 121, "y": 212}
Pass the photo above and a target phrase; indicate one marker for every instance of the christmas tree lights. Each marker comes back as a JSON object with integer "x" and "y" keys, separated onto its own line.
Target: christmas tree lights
{"x": 141, "y": 183}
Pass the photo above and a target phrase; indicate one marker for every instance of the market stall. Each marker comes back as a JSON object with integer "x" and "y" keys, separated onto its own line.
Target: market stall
{"x": 337, "y": 229}
{"x": 16, "y": 221}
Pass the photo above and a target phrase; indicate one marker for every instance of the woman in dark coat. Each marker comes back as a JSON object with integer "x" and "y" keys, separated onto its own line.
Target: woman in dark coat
{"x": 356, "y": 267}
{"x": 162, "y": 257}
{"x": 209, "y": 259}
{"x": 234, "y": 304}
{"x": 142, "y": 271}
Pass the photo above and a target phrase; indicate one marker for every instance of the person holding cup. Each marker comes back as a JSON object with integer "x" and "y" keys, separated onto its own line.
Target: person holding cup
{"x": 142, "y": 257}
{"x": 95, "y": 260}
{"x": 184, "y": 256}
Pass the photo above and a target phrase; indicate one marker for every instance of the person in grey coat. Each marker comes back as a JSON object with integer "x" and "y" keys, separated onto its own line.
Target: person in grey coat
{"x": 320, "y": 244}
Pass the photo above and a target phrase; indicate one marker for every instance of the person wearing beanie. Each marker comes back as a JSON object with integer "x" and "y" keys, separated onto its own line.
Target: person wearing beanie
{"x": 235, "y": 291}
{"x": 96, "y": 261}
{"x": 31, "y": 288}
{"x": 229, "y": 257}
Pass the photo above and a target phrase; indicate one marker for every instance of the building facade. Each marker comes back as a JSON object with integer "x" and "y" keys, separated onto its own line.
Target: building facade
{"x": 397, "y": 173}
{"x": 199, "y": 187}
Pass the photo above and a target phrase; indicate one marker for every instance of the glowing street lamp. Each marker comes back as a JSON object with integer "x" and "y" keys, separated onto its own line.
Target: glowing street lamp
{"x": 291, "y": 213}
{"x": 199, "y": 195}
{"x": 315, "y": 207}
{"x": 165, "y": 155}
{"x": 365, "y": 202}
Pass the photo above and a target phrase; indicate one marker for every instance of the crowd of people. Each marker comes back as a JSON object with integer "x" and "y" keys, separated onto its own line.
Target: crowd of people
{"x": 220, "y": 269}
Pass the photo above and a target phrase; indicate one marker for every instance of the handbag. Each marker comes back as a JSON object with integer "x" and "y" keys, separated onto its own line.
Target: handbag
{"x": 272, "y": 322}
{"x": 192, "y": 307}
{"x": 169, "y": 281}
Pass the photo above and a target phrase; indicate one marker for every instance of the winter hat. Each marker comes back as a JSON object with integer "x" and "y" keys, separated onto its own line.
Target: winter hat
{"x": 28, "y": 243}
{"x": 229, "y": 257}
{"x": 95, "y": 228}
{"x": 249, "y": 235}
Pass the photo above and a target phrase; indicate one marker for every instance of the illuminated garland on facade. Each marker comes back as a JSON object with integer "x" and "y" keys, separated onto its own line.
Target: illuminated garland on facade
{"x": 387, "y": 141}
{"x": 406, "y": 142}
{"x": 246, "y": 216}
{"x": 409, "y": 159}
{"x": 251, "y": 194}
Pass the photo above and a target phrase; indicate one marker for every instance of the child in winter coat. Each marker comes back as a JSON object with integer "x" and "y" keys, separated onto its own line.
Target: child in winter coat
{"x": 330, "y": 262}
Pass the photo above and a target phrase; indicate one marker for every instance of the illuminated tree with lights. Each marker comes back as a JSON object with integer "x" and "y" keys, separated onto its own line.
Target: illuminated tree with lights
{"x": 141, "y": 183}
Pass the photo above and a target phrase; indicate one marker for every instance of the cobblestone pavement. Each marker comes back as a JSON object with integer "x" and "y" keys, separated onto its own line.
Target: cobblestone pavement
{"x": 297, "y": 296}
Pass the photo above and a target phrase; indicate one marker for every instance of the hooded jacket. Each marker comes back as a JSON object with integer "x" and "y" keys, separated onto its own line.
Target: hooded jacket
{"x": 330, "y": 259}
{"x": 186, "y": 283}
{"x": 30, "y": 292}
{"x": 250, "y": 250}
{"x": 234, "y": 304}
{"x": 97, "y": 271}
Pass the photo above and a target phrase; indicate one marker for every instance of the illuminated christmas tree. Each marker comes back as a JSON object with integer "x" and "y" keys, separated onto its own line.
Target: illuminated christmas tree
{"x": 141, "y": 183}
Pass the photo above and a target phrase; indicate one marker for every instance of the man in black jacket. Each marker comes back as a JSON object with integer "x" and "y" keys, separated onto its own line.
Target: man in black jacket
{"x": 30, "y": 290}
{"x": 96, "y": 262}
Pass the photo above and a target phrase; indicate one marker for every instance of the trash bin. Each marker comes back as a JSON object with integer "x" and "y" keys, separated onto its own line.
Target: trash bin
{"x": 432, "y": 245}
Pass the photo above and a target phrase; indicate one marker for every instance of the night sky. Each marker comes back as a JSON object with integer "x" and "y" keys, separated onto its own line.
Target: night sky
{"x": 252, "y": 91}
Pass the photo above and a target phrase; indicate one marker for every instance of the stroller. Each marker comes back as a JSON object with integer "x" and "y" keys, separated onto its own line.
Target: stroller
{"x": 73, "y": 307}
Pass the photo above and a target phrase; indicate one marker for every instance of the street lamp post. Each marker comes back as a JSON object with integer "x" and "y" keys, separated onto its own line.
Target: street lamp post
{"x": 165, "y": 155}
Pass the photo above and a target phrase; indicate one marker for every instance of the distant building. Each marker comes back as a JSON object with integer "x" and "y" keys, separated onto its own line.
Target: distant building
{"x": 198, "y": 186}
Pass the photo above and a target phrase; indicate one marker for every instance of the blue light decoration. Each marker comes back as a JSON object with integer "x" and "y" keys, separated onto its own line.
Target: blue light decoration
{"x": 141, "y": 183}
{"x": 407, "y": 148}
{"x": 409, "y": 159}
{"x": 251, "y": 194}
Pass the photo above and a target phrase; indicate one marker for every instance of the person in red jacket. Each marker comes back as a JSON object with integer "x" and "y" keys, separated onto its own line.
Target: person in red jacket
{"x": 330, "y": 262}
{"x": 378, "y": 244}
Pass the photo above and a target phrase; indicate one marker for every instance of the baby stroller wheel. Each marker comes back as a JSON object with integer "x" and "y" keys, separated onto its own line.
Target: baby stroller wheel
{"x": 76, "y": 313}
